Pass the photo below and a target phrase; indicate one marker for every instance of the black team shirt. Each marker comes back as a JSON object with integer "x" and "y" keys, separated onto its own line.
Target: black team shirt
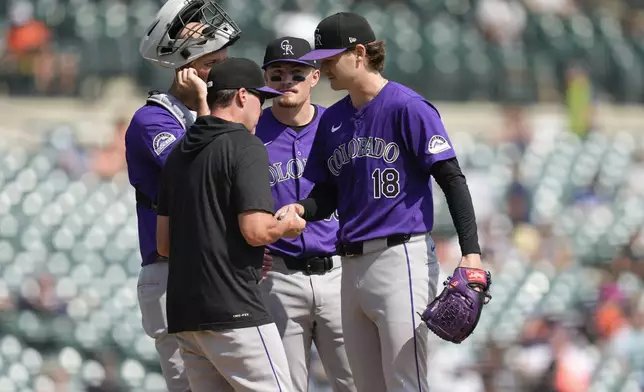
{"x": 217, "y": 171}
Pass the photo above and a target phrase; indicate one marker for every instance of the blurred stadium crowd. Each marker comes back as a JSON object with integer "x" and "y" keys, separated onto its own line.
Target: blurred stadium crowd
{"x": 501, "y": 50}
{"x": 560, "y": 207}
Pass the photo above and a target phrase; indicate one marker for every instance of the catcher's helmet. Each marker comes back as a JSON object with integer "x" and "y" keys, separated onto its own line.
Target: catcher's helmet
{"x": 163, "y": 45}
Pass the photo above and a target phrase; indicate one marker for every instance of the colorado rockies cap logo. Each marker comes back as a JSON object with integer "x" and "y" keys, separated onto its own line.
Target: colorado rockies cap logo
{"x": 287, "y": 48}
{"x": 318, "y": 39}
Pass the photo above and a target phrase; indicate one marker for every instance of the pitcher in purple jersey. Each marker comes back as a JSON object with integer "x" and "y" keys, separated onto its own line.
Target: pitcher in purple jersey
{"x": 372, "y": 159}
{"x": 302, "y": 290}
{"x": 175, "y": 39}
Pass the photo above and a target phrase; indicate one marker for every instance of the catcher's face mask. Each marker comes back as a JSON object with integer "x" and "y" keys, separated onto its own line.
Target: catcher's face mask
{"x": 207, "y": 13}
{"x": 186, "y": 30}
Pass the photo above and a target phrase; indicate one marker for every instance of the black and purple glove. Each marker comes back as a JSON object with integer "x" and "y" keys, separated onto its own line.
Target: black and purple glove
{"x": 453, "y": 315}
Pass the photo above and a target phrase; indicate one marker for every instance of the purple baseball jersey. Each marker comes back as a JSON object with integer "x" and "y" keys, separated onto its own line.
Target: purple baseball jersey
{"x": 379, "y": 158}
{"x": 148, "y": 141}
{"x": 288, "y": 153}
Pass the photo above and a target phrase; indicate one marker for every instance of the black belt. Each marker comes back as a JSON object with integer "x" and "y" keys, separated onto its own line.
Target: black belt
{"x": 145, "y": 201}
{"x": 310, "y": 265}
{"x": 356, "y": 248}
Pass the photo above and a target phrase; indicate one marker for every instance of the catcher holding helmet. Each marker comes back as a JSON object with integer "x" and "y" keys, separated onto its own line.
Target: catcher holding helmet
{"x": 188, "y": 36}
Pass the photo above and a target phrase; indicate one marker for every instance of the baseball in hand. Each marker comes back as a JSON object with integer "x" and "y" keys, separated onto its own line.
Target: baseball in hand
{"x": 282, "y": 214}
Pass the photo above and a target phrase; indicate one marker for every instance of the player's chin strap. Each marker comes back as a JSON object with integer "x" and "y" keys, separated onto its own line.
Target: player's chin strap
{"x": 184, "y": 115}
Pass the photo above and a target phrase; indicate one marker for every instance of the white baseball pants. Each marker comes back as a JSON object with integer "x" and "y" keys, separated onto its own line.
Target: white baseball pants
{"x": 151, "y": 292}
{"x": 383, "y": 290}
{"x": 306, "y": 310}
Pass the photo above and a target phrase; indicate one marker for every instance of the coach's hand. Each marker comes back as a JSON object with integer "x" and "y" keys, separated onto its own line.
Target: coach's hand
{"x": 193, "y": 90}
{"x": 294, "y": 223}
{"x": 299, "y": 209}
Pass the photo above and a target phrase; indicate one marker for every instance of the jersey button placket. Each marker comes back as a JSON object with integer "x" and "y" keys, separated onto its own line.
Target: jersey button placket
{"x": 296, "y": 148}
{"x": 357, "y": 124}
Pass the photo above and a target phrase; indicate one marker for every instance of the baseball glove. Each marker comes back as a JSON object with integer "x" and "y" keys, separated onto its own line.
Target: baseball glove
{"x": 454, "y": 314}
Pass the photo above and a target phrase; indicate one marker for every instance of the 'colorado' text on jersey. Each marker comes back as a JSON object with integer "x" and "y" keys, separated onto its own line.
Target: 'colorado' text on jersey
{"x": 287, "y": 155}
{"x": 379, "y": 159}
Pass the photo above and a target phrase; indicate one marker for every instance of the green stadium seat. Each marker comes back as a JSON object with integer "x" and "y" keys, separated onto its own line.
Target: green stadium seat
{"x": 10, "y": 349}
{"x": 58, "y": 264}
{"x": 95, "y": 263}
{"x": 7, "y": 384}
{"x": 26, "y": 180}
{"x": 93, "y": 373}
{"x": 101, "y": 320}
{"x": 70, "y": 360}
{"x": 154, "y": 382}
{"x": 78, "y": 309}
{"x": 66, "y": 288}
{"x": 133, "y": 373}
{"x": 41, "y": 165}
{"x": 46, "y": 192}
{"x": 63, "y": 239}
{"x": 82, "y": 275}
{"x": 482, "y": 156}
{"x": 145, "y": 349}
{"x": 88, "y": 336}
{"x": 42, "y": 383}
{"x": 14, "y": 160}
{"x": 9, "y": 227}
{"x": 19, "y": 375}
{"x": 115, "y": 275}
{"x": 32, "y": 204}
{"x": 133, "y": 263}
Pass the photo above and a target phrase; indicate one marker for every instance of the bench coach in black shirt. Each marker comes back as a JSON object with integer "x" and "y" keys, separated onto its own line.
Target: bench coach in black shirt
{"x": 215, "y": 214}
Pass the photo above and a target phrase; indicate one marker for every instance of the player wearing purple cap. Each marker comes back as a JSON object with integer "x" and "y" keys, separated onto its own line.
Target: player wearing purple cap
{"x": 187, "y": 36}
{"x": 302, "y": 290}
{"x": 372, "y": 159}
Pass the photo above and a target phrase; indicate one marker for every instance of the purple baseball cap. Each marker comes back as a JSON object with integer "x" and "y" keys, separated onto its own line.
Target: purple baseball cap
{"x": 235, "y": 73}
{"x": 339, "y": 32}
{"x": 288, "y": 50}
